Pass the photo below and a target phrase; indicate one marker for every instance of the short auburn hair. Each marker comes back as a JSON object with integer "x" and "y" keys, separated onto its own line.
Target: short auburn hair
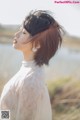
{"x": 46, "y": 32}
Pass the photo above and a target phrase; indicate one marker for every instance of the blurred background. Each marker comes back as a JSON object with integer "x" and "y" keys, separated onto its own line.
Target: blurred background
{"x": 62, "y": 76}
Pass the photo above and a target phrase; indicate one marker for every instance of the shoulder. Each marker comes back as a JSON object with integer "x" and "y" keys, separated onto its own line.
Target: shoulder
{"x": 34, "y": 82}
{"x": 34, "y": 77}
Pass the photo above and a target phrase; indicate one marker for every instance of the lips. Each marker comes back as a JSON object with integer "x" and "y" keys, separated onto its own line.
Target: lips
{"x": 14, "y": 41}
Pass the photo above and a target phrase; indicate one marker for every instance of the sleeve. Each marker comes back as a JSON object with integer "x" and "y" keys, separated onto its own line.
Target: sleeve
{"x": 5, "y": 101}
{"x": 28, "y": 101}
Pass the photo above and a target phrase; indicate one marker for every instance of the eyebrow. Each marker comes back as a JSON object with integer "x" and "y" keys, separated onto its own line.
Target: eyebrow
{"x": 21, "y": 28}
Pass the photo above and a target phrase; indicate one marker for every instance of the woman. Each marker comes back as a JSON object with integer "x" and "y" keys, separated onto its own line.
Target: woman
{"x": 26, "y": 95}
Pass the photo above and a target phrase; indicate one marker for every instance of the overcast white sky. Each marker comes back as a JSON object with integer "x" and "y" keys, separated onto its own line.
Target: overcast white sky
{"x": 68, "y": 15}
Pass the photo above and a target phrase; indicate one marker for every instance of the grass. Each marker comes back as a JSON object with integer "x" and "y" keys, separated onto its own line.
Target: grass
{"x": 54, "y": 85}
{"x": 65, "y": 98}
{"x": 72, "y": 114}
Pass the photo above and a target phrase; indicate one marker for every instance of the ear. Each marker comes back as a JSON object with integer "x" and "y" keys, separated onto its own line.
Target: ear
{"x": 36, "y": 46}
{"x": 34, "y": 49}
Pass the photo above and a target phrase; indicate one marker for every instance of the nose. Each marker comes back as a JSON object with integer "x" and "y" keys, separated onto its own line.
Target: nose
{"x": 17, "y": 34}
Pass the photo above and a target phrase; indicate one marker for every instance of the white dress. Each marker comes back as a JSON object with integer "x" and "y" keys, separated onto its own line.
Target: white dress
{"x": 26, "y": 94}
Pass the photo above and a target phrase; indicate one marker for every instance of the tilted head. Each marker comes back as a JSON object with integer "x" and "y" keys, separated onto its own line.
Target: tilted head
{"x": 45, "y": 34}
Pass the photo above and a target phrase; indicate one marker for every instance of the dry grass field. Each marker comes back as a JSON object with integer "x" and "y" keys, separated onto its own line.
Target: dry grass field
{"x": 65, "y": 98}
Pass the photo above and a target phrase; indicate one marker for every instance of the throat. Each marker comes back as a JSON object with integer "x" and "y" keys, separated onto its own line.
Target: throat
{"x": 28, "y": 56}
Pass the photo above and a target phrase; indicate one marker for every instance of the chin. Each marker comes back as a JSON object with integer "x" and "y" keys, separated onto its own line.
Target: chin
{"x": 15, "y": 46}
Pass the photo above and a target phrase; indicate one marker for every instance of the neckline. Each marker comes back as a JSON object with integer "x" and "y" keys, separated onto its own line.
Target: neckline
{"x": 29, "y": 63}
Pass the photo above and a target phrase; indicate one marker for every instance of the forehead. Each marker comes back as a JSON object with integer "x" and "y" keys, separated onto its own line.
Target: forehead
{"x": 23, "y": 29}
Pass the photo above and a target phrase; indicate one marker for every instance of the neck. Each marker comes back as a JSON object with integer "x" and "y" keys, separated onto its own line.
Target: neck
{"x": 28, "y": 56}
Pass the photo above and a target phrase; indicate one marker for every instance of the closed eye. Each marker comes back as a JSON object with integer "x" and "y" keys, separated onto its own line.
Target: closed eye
{"x": 24, "y": 32}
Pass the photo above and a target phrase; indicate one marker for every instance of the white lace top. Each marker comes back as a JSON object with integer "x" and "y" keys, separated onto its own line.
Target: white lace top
{"x": 26, "y": 94}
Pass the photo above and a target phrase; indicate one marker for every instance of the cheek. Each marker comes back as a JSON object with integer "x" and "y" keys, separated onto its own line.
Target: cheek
{"x": 25, "y": 46}
{"x": 23, "y": 40}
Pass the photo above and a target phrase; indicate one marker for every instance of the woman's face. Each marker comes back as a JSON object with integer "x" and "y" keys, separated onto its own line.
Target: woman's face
{"x": 20, "y": 40}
